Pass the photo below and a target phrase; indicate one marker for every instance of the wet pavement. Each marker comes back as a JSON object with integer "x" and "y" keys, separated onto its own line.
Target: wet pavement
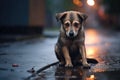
{"x": 19, "y": 57}
{"x": 28, "y": 54}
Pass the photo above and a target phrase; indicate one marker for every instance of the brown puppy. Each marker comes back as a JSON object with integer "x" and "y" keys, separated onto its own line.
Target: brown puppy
{"x": 70, "y": 47}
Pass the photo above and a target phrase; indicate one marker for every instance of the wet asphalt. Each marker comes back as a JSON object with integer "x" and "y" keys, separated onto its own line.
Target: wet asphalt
{"x": 18, "y": 60}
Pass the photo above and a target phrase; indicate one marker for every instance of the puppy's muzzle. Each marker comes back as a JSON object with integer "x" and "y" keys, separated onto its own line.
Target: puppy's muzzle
{"x": 71, "y": 33}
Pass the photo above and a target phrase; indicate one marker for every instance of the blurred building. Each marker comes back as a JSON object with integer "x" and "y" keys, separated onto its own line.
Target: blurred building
{"x": 22, "y": 16}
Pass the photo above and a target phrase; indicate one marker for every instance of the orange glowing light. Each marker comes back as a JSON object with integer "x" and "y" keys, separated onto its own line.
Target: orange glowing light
{"x": 77, "y": 2}
{"x": 92, "y": 76}
{"x": 91, "y": 37}
{"x": 91, "y": 2}
{"x": 90, "y": 51}
{"x": 91, "y": 40}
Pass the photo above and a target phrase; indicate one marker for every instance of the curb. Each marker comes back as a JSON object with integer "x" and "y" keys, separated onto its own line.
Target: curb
{"x": 17, "y": 38}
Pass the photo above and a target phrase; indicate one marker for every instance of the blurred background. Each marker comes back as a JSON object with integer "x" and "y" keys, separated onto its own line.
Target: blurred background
{"x": 29, "y": 17}
{"x": 29, "y": 31}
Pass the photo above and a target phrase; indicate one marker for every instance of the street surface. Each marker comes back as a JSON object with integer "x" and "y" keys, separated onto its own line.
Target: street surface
{"x": 28, "y": 54}
{"x": 19, "y": 57}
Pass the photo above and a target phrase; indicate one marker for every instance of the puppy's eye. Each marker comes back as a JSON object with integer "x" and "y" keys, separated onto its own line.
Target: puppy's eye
{"x": 67, "y": 24}
{"x": 76, "y": 24}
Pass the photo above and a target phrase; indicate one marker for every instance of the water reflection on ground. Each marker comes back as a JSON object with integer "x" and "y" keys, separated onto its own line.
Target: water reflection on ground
{"x": 102, "y": 49}
{"x": 100, "y": 45}
{"x": 74, "y": 74}
{"x": 93, "y": 43}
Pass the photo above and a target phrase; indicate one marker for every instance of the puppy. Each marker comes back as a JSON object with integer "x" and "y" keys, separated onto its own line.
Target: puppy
{"x": 70, "y": 47}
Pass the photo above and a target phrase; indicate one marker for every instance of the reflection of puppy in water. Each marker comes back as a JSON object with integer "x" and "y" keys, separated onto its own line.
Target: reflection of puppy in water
{"x": 70, "y": 47}
{"x": 75, "y": 74}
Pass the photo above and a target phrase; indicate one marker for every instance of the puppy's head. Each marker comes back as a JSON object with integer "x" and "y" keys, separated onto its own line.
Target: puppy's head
{"x": 71, "y": 22}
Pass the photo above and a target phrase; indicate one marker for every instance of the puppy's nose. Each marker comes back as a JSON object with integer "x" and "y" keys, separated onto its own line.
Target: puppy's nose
{"x": 71, "y": 34}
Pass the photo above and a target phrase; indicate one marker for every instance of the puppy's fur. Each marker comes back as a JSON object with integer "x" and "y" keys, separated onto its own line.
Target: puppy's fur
{"x": 70, "y": 47}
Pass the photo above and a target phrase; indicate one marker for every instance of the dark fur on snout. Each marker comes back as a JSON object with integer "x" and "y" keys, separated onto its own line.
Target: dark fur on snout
{"x": 70, "y": 47}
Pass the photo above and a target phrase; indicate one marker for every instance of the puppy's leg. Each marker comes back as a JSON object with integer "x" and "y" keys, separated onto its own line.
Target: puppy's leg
{"x": 67, "y": 57}
{"x": 83, "y": 54}
{"x": 59, "y": 55}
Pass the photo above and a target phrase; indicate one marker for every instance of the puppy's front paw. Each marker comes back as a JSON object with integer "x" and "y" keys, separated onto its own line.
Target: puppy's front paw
{"x": 68, "y": 65}
{"x": 86, "y": 66}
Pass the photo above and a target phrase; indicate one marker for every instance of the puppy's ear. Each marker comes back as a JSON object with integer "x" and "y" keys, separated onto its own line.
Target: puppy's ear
{"x": 60, "y": 16}
{"x": 82, "y": 16}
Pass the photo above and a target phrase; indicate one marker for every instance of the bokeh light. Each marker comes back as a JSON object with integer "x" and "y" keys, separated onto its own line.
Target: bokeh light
{"x": 78, "y": 3}
{"x": 91, "y": 2}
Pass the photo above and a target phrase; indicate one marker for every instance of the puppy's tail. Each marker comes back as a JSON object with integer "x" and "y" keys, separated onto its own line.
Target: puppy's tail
{"x": 91, "y": 60}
